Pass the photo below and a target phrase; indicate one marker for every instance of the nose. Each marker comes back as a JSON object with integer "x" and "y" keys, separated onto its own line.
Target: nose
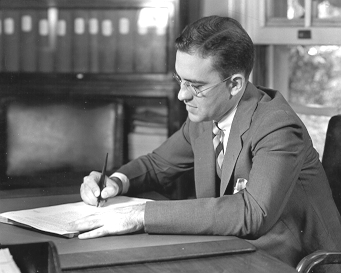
{"x": 184, "y": 94}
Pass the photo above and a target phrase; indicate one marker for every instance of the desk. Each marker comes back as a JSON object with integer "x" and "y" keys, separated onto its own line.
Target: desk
{"x": 141, "y": 252}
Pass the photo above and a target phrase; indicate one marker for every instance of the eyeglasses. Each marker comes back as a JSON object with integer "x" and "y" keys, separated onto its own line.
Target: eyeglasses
{"x": 194, "y": 89}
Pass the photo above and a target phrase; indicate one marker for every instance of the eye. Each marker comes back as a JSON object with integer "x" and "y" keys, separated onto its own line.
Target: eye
{"x": 197, "y": 86}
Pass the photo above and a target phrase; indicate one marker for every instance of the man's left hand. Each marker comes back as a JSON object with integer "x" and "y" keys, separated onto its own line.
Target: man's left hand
{"x": 111, "y": 222}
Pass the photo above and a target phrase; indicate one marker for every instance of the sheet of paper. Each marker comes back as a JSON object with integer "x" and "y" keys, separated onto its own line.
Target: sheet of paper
{"x": 55, "y": 219}
{"x": 7, "y": 264}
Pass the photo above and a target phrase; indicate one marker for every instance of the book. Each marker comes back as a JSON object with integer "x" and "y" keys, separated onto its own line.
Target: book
{"x": 64, "y": 34}
{"x": 1, "y": 39}
{"x": 80, "y": 52}
{"x": 142, "y": 143}
{"x": 28, "y": 41}
{"x": 94, "y": 31}
{"x": 45, "y": 48}
{"x": 150, "y": 129}
{"x": 108, "y": 41}
{"x": 159, "y": 41}
{"x": 55, "y": 219}
{"x": 159, "y": 49}
{"x": 150, "y": 116}
{"x": 143, "y": 49}
{"x": 11, "y": 19}
{"x": 125, "y": 40}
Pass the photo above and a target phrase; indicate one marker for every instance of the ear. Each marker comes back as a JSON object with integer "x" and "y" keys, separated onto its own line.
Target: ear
{"x": 237, "y": 84}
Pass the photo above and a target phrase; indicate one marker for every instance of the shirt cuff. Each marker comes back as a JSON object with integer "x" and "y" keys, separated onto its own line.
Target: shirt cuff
{"x": 125, "y": 181}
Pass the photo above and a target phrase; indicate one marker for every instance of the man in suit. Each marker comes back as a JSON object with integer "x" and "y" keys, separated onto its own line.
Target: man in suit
{"x": 266, "y": 185}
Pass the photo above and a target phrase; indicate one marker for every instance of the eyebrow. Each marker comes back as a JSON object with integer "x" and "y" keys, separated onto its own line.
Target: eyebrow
{"x": 191, "y": 81}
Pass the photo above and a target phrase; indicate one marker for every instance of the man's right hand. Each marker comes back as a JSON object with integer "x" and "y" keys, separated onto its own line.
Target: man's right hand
{"x": 90, "y": 190}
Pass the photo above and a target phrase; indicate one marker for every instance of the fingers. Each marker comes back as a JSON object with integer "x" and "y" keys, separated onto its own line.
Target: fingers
{"x": 110, "y": 222}
{"x": 90, "y": 190}
{"x": 94, "y": 226}
{"x": 99, "y": 232}
{"x": 92, "y": 223}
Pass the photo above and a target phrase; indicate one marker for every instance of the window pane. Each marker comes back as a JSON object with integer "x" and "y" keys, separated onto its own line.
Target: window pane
{"x": 294, "y": 9}
{"x": 315, "y": 80}
{"x": 315, "y": 75}
{"x": 328, "y": 9}
{"x": 317, "y": 128}
{"x": 285, "y": 9}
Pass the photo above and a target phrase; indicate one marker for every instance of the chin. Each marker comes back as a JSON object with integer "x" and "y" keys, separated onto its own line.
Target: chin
{"x": 195, "y": 118}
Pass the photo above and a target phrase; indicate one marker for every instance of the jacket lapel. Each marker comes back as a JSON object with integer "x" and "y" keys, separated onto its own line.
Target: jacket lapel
{"x": 240, "y": 125}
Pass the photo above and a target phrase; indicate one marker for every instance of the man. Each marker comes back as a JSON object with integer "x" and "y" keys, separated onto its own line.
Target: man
{"x": 273, "y": 190}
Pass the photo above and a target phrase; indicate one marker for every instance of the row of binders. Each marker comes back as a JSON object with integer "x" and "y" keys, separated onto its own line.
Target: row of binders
{"x": 84, "y": 40}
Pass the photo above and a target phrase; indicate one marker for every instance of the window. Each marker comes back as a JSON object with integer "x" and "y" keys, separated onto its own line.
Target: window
{"x": 302, "y": 13}
{"x": 294, "y": 21}
{"x": 303, "y": 56}
{"x": 315, "y": 87}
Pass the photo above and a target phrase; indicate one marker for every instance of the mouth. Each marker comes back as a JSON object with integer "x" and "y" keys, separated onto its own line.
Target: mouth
{"x": 190, "y": 106}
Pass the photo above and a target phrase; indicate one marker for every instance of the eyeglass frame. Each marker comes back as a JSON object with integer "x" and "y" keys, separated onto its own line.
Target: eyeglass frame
{"x": 194, "y": 90}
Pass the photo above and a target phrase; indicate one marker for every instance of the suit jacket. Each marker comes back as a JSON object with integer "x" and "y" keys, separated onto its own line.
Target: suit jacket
{"x": 287, "y": 207}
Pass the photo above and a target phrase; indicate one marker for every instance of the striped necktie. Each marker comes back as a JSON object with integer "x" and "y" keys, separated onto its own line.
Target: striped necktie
{"x": 218, "y": 147}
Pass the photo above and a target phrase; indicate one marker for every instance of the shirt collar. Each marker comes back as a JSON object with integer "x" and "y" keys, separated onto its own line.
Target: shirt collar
{"x": 226, "y": 121}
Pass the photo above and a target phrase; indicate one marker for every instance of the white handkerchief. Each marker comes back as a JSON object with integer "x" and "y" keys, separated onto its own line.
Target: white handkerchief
{"x": 240, "y": 185}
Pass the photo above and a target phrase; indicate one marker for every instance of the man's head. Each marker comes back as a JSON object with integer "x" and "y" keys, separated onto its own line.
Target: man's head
{"x": 222, "y": 38}
{"x": 213, "y": 61}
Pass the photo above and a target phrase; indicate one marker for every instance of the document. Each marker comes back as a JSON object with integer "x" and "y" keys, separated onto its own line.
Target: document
{"x": 7, "y": 264}
{"x": 55, "y": 219}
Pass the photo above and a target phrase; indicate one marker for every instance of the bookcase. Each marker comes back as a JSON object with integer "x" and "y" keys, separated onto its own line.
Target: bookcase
{"x": 83, "y": 50}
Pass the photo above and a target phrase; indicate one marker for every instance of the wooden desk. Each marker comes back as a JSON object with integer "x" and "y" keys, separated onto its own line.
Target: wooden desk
{"x": 141, "y": 252}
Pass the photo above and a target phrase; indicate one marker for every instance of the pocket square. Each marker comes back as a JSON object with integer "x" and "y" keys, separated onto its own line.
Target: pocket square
{"x": 240, "y": 185}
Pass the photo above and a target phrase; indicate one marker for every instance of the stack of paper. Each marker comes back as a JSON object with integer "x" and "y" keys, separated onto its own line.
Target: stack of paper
{"x": 148, "y": 132}
{"x": 7, "y": 264}
{"x": 55, "y": 219}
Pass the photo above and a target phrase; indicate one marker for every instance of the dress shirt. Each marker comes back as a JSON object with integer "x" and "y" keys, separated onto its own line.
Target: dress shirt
{"x": 225, "y": 125}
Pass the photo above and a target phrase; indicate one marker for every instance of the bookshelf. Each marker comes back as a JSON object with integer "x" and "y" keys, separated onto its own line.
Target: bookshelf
{"x": 82, "y": 49}
{"x": 104, "y": 36}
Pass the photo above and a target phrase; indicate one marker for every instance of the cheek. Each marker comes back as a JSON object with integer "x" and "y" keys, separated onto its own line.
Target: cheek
{"x": 216, "y": 109}
{"x": 207, "y": 109}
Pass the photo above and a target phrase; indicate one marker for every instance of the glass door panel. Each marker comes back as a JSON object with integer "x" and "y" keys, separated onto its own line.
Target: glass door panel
{"x": 326, "y": 12}
{"x": 293, "y": 12}
{"x": 285, "y": 12}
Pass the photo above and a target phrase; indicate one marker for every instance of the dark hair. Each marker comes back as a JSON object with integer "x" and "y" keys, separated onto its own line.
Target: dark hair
{"x": 222, "y": 38}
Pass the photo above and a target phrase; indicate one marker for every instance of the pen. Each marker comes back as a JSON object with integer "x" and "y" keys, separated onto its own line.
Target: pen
{"x": 101, "y": 182}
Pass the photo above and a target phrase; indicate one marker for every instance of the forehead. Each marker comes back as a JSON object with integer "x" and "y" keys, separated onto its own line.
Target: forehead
{"x": 194, "y": 67}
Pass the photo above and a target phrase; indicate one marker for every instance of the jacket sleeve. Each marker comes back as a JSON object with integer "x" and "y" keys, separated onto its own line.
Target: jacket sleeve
{"x": 277, "y": 151}
{"x": 159, "y": 168}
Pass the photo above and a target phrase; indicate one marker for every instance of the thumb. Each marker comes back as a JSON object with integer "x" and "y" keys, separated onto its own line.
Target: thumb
{"x": 112, "y": 189}
{"x": 109, "y": 191}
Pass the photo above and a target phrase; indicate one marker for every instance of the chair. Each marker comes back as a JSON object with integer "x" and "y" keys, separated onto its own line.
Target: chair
{"x": 331, "y": 159}
{"x": 55, "y": 143}
{"x": 35, "y": 257}
{"x": 318, "y": 258}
